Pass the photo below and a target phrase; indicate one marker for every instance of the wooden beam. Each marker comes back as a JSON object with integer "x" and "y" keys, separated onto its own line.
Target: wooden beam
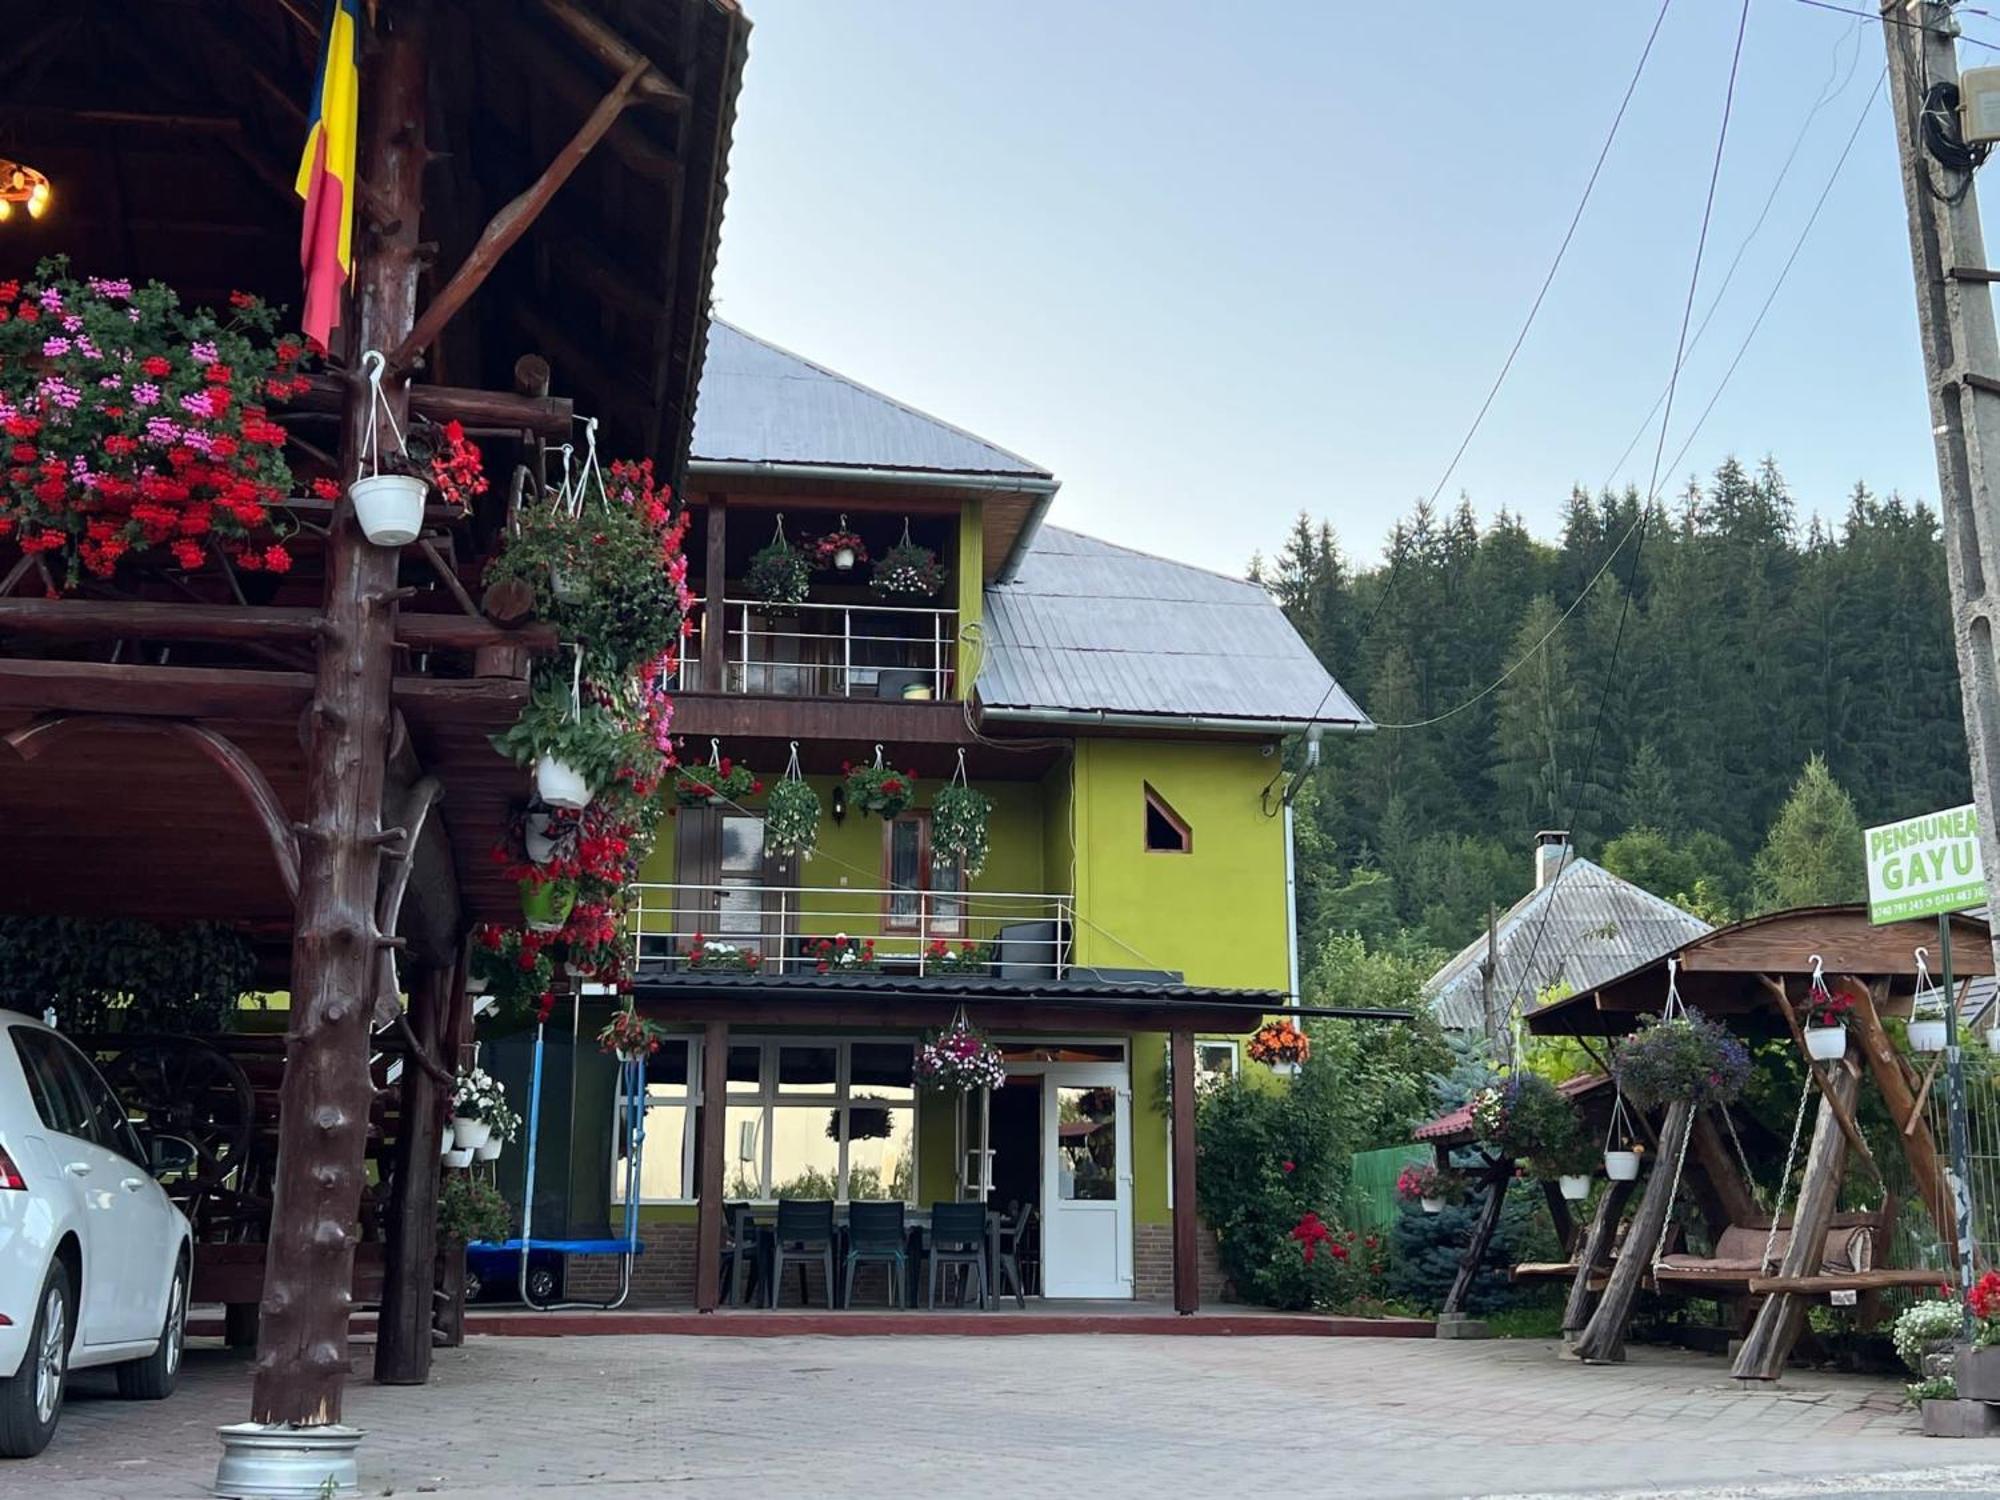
{"x": 1559, "y": 1215}
{"x": 1850, "y": 1127}
{"x": 479, "y": 411}
{"x": 708, "y": 1171}
{"x": 1594, "y": 1254}
{"x": 1919, "y": 1145}
{"x": 513, "y": 221}
{"x": 1603, "y": 1338}
{"x": 1782, "y": 1317}
{"x": 609, "y": 48}
{"x": 403, "y": 1325}
{"x": 1718, "y": 1164}
{"x": 137, "y": 619}
{"x": 1187, "y": 1241}
{"x": 1483, "y": 1230}
{"x": 36, "y": 739}
{"x": 413, "y": 816}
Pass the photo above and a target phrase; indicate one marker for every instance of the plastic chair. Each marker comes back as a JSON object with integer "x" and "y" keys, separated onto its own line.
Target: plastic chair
{"x": 804, "y": 1234}
{"x": 875, "y": 1236}
{"x": 958, "y": 1238}
{"x": 1013, "y": 1230}
{"x": 742, "y": 1255}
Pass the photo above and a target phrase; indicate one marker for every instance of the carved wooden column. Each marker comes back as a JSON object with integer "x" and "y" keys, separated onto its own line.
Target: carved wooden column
{"x": 403, "y": 1331}
{"x": 302, "y": 1360}
{"x": 708, "y": 1171}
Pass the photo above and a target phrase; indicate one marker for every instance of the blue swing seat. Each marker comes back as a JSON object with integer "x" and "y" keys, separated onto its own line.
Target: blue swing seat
{"x": 566, "y": 1247}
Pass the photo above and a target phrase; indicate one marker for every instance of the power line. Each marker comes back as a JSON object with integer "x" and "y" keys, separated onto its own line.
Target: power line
{"x": 1889, "y": 20}
{"x": 1743, "y": 348}
{"x": 1652, "y": 493}
{"x": 1534, "y": 310}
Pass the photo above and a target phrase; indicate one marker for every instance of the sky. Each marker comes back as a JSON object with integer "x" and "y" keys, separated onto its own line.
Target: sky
{"x": 1215, "y": 265}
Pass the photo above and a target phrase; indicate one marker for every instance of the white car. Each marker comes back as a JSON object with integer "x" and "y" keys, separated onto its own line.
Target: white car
{"x": 95, "y": 1259}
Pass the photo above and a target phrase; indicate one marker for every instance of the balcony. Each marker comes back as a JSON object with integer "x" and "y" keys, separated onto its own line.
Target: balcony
{"x": 872, "y": 651}
{"x": 998, "y": 934}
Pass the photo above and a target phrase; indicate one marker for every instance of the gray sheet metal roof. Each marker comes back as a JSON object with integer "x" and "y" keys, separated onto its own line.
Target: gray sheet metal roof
{"x": 1598, "y": 927}
{"x": 763, "y": 404}
{"x": 1088, "y": 626}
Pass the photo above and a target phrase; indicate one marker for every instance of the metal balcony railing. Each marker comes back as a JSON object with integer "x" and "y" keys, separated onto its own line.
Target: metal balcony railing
{"x": 824, "y": 651}
{"x": 1005, "y": 934}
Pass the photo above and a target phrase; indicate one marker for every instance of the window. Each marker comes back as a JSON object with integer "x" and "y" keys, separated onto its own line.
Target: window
{"x": 740, "y": 899}
{"x": 925, "y": 892}
{"x": 1167, "y": 831}
{"x": 57, "y": 1102}
{"x": 107, "y": 1123}
{"x": 1214, "y": 1062}
{"x": 805, "y": 1118}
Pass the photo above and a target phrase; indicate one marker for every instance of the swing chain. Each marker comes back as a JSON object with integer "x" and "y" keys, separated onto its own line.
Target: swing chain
{"x": 1785, "y": 1177}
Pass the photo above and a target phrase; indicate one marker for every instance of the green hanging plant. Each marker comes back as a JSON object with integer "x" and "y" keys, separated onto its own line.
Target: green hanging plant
{"x": 958, "y": 826}
{"x": 779, "y": 572}
{"x": 907, "y": 570}
{"x": 879, "y": 788}
{"x": 791, "y": 814}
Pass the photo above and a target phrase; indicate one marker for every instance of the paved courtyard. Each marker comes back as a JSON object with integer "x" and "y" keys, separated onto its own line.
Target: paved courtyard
{"x": 1105, "y": 1416}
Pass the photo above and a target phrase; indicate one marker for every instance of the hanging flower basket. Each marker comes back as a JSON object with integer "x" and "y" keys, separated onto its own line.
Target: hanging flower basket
{"x": 880, "y": 789}
{"x": 907, "y": 571}
{"x": 779, "y": 574}
{"x": 514, "y": 967}
{"x": 1280, "y": 1046}
{"x": 1621, "y": 1150}
{"x": 1529, "y": 1119}
{"x": 958, "y": 825}
{"x": 715, "y": 785}
{"x": 389, "y": 507}
{"x": 1825, "y": 1020}
{"x": 546, "y": 904}
{"x": 1430, "y": 1187}
{"x": 1927, "y": 1029}
{"x": 865, "y": 1122}
{"x": 840, "y": 550}
{"x": 1622, "y": 1166}
{"x": 561, "y": 784}
{"x": 958, "y": 1059}
{"x": 1574, "y": 1186}
{"x": 1685, "y": 1057}
{"x": 791, "y": 818}
{"x": 389, "y": 498}
{"x": 631, "y": 1037}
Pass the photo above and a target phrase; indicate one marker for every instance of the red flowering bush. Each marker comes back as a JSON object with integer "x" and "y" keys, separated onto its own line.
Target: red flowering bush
{"x": 706, "y": 953}
{"x": 1984, "y": 1300}
{"x": 128, "y": 424}
{"x": 841, "y": 953}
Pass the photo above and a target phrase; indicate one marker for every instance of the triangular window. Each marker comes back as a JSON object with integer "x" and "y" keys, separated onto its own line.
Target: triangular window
{"x": 1167, "y": 832}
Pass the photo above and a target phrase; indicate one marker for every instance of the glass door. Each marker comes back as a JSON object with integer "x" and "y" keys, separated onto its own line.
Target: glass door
{"x": 1086, "y": 1181}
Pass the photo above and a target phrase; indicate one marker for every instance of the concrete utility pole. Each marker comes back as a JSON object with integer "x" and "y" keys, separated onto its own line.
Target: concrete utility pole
{"x": 1962, "y": 364}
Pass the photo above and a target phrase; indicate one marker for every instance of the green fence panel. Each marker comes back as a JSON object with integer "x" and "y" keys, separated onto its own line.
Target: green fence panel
{"x": 1371, "y": 1185}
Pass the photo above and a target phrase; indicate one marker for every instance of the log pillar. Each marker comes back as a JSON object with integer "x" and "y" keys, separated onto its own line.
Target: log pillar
{"x": 1497, "y": 1178}
{"x": 1594, "y": 1254}
{"x": 1187, "y": 1237}
{"x": 302, "y": 1360}
{"x": 708, "y": 1171}
{"x": 403, "y": 1334}
{"x": 1603, "y": 1338}
{"x": 1783, "y": 1316}
{"x": 1887, "y": 1067}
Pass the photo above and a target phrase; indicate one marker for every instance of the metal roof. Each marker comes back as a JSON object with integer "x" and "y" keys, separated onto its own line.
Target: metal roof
{"x": 1089, "y": 627}
{"x": 1459, "y": 1121}
{"x": 1592, "y": 927}
{"x": 762, "y": 404}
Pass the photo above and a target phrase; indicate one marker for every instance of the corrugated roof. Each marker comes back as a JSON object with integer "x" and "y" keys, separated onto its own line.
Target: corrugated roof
{"x": 1459, "y": 1121}
{"x": 763, "y": 404}
{"x": 1086, "y": 625}
{"x": 1593, "y": 927}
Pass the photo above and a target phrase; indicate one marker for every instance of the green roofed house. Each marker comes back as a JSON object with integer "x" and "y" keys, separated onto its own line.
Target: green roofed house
{"x": 1579, "y": 926}
{"x": 1122, "y": 714}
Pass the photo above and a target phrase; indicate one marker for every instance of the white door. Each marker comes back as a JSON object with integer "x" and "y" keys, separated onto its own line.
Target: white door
{"x": 1086, "y": 1181}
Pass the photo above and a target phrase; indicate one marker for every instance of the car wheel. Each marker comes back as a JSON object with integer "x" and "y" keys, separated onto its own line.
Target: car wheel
{"x": 152, "y": 1378}
{"x": 542, "y": 1284}
{"x": 473, "y": 1285}
{"x": 31, "y": 1399}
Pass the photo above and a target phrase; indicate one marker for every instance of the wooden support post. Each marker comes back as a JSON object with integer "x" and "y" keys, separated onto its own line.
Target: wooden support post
{"x": 1595, "y": 1253}
{"x": 708, "y": 1171}
{"x": 302, "y": 1361}
{"x": 1919, "y": 1145}
{"x": 1187, "y": 1244}
{"x": 1603, "y": 1338}
{"x": 1497, "y": 1178}
{"x": 409, "y": 1263}
{"x": 1850, "y": 1127}
{"x": 1559, "y": 1215}
{"x": 1711, "y": 1153}
{"x": 1782, "y": 1317}
{"x": 714, "y": 611}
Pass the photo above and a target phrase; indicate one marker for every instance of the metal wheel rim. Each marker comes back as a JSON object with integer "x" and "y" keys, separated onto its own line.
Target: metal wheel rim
{"x": 176, "y": 1326}
{"x": 51, "y": 1357}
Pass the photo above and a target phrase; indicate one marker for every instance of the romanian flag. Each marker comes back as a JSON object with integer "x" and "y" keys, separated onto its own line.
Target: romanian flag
{"x": 326, "y": 171}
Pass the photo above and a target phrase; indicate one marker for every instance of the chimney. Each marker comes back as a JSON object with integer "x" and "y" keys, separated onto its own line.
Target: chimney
{"x": 1551, "y": 850}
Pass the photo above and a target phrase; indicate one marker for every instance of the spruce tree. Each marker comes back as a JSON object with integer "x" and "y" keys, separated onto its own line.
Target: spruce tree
{"x": 1812, "y": 855}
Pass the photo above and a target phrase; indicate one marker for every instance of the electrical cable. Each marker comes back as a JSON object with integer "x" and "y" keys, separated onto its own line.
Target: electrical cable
{"x": 1887, "y": 20}
{"x": 1652, "y": 495}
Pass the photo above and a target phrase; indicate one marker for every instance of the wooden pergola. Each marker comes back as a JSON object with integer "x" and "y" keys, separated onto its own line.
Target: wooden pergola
{"x": 308, "y": 757}
{"x": 1754, "y": 977}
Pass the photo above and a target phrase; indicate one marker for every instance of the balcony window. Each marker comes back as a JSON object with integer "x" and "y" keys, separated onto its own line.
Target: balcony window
{"x": 926, "y": 892}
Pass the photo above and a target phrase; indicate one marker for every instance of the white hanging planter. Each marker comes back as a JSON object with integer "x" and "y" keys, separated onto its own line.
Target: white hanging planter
{"x": 489, "y": 1149}
{"x": 568, "y": 587}
{"x": 1993, "y": 1039}
{"x": 1285, "y": 1069}
{"x": 1927, "y": 1035}
{"x": 445, "y": 1142}
{"x": 475, "y": 984}
{"x": 535, "y": 836}
{"x": 458, "y": 1158}
{"x": 1621, "y": 1166}
{"x": 843, "y": 560}
{"x": 1575, "y": 1186}
{"x": 1431, "y": 1205}
{"x": 1826, "y": 1043}
{"x": 561, "y": 785}
{"x": 470, "y": 1133}
{"x": 390, "y": 507}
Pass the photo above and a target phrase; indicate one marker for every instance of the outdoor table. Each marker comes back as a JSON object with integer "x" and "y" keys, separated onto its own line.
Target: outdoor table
{"x": 917, "y": 1221}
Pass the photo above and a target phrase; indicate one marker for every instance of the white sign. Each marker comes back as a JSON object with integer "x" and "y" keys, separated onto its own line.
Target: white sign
{"x": 1923, "y": 867}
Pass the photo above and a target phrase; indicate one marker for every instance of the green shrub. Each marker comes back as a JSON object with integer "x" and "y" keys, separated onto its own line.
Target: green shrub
{"x": 1424, "y": 1251}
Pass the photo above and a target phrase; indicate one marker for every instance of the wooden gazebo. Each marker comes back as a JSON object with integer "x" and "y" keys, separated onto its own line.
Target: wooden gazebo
{"x": 307, "y": 757}
{"x": 1754, "y": 977}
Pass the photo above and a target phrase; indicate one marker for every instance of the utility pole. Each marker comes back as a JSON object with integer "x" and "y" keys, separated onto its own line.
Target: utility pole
{"x": 1962, "y": 367}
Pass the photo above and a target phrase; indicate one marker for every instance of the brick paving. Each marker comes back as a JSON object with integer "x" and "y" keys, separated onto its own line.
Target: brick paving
{"x": 632, "y": 1417}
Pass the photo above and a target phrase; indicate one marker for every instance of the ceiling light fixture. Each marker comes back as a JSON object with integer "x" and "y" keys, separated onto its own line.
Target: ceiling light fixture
{"x": 22, "y": 187}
